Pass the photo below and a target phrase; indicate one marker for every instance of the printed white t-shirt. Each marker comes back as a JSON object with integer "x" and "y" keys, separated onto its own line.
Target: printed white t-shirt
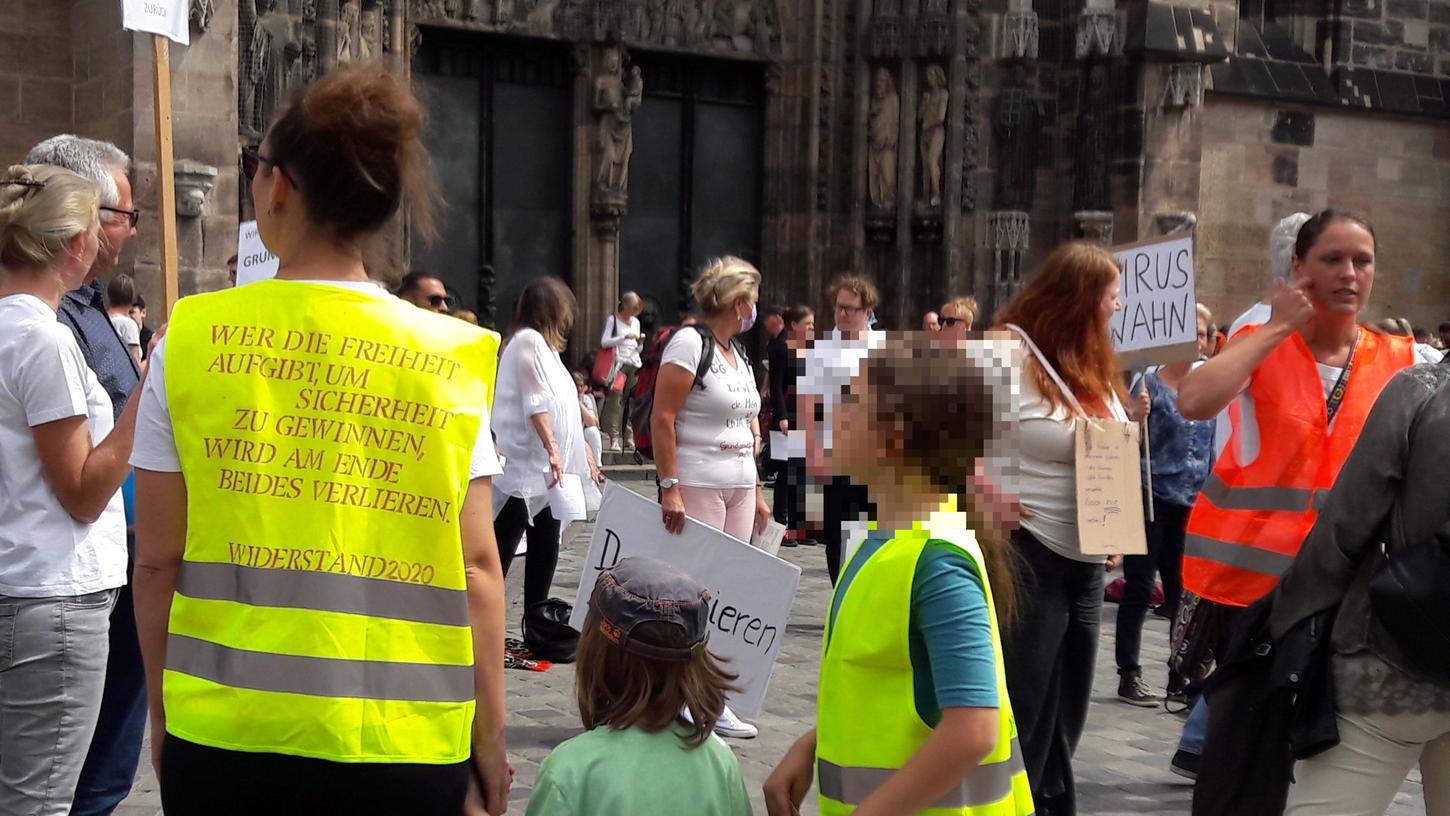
{"x": 714, "y": 445}
{"x": 44, "y": 552}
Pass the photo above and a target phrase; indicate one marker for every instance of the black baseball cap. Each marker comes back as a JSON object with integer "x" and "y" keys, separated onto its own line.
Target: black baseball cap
{"x": 642, "y": 590}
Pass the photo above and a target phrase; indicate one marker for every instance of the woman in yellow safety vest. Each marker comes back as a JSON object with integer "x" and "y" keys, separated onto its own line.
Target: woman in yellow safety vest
{"x": 913, "y": 715}
{"x": 318, "y": 593}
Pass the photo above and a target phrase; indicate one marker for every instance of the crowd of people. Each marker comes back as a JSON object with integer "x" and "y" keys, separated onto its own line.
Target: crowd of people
{"x": 311, "y": 626}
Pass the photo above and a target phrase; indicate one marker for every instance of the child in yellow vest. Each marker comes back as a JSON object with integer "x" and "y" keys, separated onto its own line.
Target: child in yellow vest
{"x": 642, "y": 661}
{"x": 913, "y": 714}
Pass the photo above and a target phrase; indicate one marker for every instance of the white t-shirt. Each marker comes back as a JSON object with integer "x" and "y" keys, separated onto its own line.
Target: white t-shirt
{"x": 155, "y": 445}
{"x": 1248, "y": 449}
{"x": 830, "y": 365}
{"x": 1047, "y": 469}
{"x": 714, "y": 445}
{"x": 128, "y": 330}
{"x": 44, "y": 552}
{"x": 616, "y": 336}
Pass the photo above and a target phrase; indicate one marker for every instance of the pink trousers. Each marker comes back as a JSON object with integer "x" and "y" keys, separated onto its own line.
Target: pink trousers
{"x": 731, "y": 509}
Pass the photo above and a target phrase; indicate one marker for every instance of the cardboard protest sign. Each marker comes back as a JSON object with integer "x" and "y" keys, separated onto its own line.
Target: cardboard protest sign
{"x": 254, "y": 262}
{"x": 1158, "y": 322}
{"x": 165, "y": 17}
{"x": 1109, "y": 488}
{"x": 750, "y": 591}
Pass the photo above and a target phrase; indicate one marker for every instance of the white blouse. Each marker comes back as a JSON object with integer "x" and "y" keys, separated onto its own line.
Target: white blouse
{"x": 532, "y": 379}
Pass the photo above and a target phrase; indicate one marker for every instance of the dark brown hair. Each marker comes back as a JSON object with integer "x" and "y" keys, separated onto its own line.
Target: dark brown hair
{"x": 352, "y": 141}
{"x": 547, "y": 306}
{"x": 121, "y": 291}
{"x": 1060, "y": 309}
{"x": 795, "y": 314}
{"x": 944, "y": 406}
{"x": 622, "y": 690}
{"x": 857, "y": 285}
{"x": 1323, "y": 220}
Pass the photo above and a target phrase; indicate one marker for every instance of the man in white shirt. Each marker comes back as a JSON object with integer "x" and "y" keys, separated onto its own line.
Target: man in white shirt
{"x": 831, "y": 363}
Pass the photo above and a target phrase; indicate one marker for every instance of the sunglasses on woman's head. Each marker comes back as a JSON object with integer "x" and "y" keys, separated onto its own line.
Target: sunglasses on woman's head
{"x": 252, "y": 161}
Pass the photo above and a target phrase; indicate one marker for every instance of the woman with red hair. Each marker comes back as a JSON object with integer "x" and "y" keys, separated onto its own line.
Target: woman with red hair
{"x": 1069, "y": 370}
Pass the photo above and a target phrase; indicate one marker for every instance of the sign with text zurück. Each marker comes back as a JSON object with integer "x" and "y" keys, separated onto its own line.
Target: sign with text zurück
{"x": 1158, "y": 322}
{"x": 165, "y": 17}
{"x": 751, "y": 591}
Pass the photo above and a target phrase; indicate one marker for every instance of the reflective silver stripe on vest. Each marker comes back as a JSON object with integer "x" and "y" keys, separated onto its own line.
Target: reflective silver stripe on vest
{"x": 319, "y": 676}
{"x": 1289, "y": 499}
{"x": 325, "y": 591}
{"x": 985, "y": 785}
{"x": 1241, "y": 556}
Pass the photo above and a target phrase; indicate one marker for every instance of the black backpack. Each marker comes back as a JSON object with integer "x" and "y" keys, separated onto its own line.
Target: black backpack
{"x": 642, "y": 400}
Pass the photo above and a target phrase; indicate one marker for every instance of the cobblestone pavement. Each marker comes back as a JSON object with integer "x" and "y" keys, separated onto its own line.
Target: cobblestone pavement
{"x": 1122, "y": 764}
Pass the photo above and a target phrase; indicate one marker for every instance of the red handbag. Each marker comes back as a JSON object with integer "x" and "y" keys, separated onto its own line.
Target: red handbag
{"x": 604, "y": 363}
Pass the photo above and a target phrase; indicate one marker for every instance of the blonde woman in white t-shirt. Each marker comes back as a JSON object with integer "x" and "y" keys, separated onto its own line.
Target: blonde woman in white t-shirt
{"x": 62, "y": 526}
{"x": 707, "y": 433}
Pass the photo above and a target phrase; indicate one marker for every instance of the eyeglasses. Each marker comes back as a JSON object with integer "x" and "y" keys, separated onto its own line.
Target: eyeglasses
{"x": 132, "y": 216}
{"x": 948, "y": 322}
{"x": 842, "y": 308}
{"x": 252, "y": 161}
{"x": 440, "y": 300}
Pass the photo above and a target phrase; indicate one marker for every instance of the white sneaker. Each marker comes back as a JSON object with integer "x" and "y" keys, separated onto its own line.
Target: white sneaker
{"x": 611, "y": 444}
{"x": 730, "y": 725}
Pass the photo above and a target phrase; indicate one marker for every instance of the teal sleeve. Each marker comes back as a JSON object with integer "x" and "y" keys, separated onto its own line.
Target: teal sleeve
{"x": 549, "y": 797}
{"x": 951, "y": 635}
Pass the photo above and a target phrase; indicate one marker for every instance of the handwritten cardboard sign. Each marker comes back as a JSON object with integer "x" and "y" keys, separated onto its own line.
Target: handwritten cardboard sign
{"x": 1109, "y": 488}
{"x": 1157, "y": 323}
{"x": 254, "y": 262}
{"x": 751, "y": 592}
{"x": 165, "y": 17}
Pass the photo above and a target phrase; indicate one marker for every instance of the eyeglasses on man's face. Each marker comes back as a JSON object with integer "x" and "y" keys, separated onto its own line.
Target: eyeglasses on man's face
{"x": 948, "y": 322}
{"x": 133, "y": 217}
{"x": 842, "y": 308}
{"x": 440, "y": 300}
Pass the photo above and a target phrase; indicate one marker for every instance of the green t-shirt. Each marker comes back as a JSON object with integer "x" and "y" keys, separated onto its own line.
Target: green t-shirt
{"x": 604, "y": 772}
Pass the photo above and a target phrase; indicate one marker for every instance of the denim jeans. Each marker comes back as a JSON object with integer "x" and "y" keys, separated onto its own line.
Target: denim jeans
{"x": 1196, "y": 729}
{"x": 52, "y": 670}
{"x": 1049, "y": 652}
{"x": 1165, "y": 556}
{"x": 116, "y": 748}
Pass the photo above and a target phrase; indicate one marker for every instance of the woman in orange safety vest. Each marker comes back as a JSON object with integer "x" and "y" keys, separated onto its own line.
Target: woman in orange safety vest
{"x": 1305, "y": 381}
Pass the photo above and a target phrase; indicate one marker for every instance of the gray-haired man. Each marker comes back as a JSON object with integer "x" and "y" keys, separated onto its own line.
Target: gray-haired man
{"x": 115, "y": 749}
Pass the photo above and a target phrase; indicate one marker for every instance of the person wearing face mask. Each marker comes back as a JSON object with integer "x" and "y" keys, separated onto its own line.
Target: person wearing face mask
{"x": 62, "y": 525}
{"x": 706, "y": 423}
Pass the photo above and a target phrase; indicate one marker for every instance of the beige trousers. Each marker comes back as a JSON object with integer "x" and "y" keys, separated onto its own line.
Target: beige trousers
{"x": 1360, "y": 775}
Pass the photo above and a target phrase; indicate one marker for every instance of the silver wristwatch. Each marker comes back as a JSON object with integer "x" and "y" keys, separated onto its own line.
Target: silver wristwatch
{"x": 666, "y": 484}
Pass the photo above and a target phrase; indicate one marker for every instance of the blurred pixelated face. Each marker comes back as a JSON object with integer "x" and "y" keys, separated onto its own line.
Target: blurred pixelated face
{"x": 854, "y": 452}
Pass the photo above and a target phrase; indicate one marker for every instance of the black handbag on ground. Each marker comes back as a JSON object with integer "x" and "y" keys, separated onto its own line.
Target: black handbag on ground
{"x": 1410, "y": 598}
{"x": 547, "y": 632}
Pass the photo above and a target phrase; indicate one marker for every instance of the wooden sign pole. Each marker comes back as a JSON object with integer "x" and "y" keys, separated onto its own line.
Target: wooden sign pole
{"x": 165, "y": 170}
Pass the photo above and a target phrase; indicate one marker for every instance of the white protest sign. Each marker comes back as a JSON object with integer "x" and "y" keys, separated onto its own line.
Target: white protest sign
{"x": 1157, "y": 323}
{"x": 750, "y": 591}
{"x": 165, "y": 17}
{"x": 254, "y": 262}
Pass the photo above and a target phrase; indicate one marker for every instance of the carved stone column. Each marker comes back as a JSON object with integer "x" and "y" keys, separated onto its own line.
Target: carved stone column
{"x": 1009, "y": 233}
{"x": 1095, "y": 225}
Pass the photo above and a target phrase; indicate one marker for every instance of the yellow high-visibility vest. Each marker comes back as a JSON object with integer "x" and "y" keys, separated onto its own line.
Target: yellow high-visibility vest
{"x": 867, "y": 725}
{"x": 325, "y": 436}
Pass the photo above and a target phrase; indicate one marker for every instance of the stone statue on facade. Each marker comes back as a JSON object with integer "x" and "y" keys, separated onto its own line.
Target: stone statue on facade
{"x": 733, "y": 25}
{"x": 359, "y": 33}
{"x": 932, "y": 116}
{"x": 201, "y": 13}
{"x": 617, "y": 95}
{"x": 266, "y": 62}
{"x": 882, "y": 130}
{"x": 1016, "y": 126}
{"x": 1093, "y": 145}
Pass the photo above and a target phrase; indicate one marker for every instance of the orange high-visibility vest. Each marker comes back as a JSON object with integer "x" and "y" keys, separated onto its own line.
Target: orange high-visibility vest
{"x": 1251, "y": 517}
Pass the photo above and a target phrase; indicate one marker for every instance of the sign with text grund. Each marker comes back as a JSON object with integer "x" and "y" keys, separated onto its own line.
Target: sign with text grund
{"x": 751, "y": 592}
{"x": 1158, "y": 322}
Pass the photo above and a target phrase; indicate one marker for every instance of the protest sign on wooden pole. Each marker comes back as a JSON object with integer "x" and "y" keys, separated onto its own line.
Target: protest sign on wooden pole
{"x": 1158, "y": 322}
{"x": 165, "y": 171}
{"x": 163, "y": 20}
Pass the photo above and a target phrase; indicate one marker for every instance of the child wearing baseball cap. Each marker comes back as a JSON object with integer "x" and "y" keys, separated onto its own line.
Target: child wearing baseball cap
{"x": 641, "y": 661}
